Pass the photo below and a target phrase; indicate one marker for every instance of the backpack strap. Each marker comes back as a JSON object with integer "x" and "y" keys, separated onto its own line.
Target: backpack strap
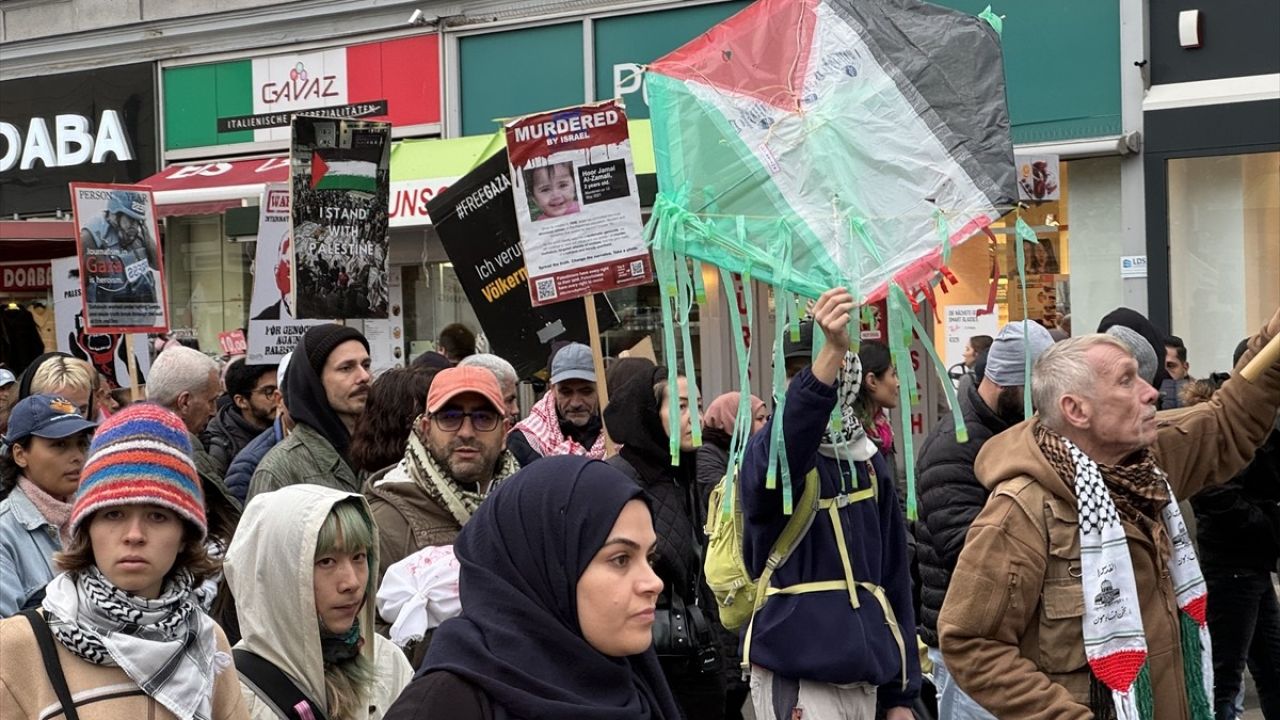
{"x": 52, "y": 665}
{"x": 270, "y": 683}
{"x": 797, "y": 526}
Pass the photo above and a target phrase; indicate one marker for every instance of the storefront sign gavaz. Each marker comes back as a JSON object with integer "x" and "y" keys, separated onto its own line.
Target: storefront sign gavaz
{"x": 92, "y": 126}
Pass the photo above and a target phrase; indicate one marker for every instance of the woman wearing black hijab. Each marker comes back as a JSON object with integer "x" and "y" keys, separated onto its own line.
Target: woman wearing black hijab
{"x": 557, "y": 598}
{"x": 639, "y": 418}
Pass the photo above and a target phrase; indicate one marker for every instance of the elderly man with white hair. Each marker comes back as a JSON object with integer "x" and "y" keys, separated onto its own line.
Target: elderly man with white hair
{"x": 507, "y": 381}
{"x": 1078, "y": 593}
{"x": 185, "y": 381}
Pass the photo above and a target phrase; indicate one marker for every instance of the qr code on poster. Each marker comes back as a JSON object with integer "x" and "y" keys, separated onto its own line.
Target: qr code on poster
{"x": 637, "y": 268}
{"x": 547, "y": 289}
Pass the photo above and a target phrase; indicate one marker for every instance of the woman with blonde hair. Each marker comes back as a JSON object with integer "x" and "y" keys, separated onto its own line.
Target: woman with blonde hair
{"x": 301, "y": 570}
{"x": 60, "y": 374}
{"x": 120, "y": 633}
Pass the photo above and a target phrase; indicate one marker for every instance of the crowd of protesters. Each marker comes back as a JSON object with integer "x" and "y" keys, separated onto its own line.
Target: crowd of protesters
{"x": 307, "y": 540}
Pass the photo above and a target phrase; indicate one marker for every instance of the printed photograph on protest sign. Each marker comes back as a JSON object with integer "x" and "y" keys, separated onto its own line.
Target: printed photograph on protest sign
{"x": 579, "y": 206}
{"x": 476, "y": 222}
{"x": 274, "y": 331}
{"x": 106, "y": 352}
{"x": 341, "y": 181}
{"x": 121, "y": 269}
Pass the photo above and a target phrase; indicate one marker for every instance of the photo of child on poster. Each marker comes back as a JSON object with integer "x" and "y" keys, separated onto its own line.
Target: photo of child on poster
{"x": 120, "y": 265}
{"x": 580, "y": 226}
{"x": 551, "y": 191}
{"x": 340, "y": 197}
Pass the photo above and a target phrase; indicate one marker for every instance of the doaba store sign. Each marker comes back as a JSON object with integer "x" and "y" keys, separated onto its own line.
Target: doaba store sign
{"x": 251, "y": 100}
{"x": 93, "y": 126}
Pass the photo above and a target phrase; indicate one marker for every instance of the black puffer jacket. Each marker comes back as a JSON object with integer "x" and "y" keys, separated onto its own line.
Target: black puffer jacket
{"x": 1238, "y": 524}
{"x": 226, "y": 435}
{"x": 950, "y": 497}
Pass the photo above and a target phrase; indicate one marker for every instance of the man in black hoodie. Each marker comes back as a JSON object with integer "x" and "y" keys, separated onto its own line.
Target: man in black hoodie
{"x": 326, "y": 390}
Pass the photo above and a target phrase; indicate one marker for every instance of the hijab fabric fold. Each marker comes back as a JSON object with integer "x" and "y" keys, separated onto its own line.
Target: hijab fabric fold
{"x": 518, "y": 638}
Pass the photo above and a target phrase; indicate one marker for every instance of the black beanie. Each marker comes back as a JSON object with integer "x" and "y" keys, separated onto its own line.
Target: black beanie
{"x": 322, "y": 339}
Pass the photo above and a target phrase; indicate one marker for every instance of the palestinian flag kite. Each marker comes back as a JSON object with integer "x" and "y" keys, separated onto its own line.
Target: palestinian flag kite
{"x": 811, "y": 144}
{"x": 341, "y": 174}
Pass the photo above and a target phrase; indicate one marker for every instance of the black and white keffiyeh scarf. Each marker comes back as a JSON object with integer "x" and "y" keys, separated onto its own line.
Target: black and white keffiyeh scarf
{"x": 845, "y": 437}
{"x": 440, "y": 486}
{"x": 166, "y": 645}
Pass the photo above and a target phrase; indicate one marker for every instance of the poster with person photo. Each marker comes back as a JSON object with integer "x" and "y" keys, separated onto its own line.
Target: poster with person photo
{"x": 107, "y": 352}
{"x": 578, "y": 207}
{"x": 121, "y": 269}
{"x": 341, "y": 180}
{"x": 274, "y": 331}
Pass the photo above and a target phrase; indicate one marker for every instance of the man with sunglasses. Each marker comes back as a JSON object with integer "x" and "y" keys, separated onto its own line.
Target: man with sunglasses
{"x": 456, "y": 456}
{"x": 254, "y": 396}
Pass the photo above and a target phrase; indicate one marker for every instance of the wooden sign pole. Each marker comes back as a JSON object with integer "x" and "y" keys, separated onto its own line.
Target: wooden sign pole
{"x": 597, "y": 359}
{"x": 1269, "y": 355}
{"x": 133, "y": 367}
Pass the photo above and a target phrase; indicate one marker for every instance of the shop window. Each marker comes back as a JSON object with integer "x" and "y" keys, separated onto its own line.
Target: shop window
{"x": 433, "y": 298}
{"x": 209, "y": 279}
{"x": 1224, "y": 252}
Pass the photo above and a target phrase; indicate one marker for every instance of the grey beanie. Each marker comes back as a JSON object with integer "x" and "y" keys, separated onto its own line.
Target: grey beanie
{"x": 1142, "y": 351}
{"x": 1007, "y": 358}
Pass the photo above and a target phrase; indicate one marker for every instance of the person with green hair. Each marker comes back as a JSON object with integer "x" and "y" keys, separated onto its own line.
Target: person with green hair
{"x": 302, "y": 568}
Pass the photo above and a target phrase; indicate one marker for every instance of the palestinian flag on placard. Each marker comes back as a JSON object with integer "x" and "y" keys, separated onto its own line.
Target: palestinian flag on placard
{"x": 337, "y": 173}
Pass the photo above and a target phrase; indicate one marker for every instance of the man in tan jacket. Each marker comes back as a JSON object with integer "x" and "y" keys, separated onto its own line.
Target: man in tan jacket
{"x": 1034, "y": 628}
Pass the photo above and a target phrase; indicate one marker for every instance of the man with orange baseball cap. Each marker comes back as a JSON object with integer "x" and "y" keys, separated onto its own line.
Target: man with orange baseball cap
{"x": 455, "y": 457}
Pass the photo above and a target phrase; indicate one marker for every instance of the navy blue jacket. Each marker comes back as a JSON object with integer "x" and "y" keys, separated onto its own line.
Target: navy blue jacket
{"x": 819, "y": 636}
{"x": 240, "y": 471}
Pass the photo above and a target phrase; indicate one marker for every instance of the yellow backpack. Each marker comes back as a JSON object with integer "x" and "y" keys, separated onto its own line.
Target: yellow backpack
{"x": 738, "y": 595}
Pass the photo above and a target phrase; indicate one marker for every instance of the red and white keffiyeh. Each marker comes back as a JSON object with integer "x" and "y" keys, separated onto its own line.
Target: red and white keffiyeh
{"x": 542, "y": 430}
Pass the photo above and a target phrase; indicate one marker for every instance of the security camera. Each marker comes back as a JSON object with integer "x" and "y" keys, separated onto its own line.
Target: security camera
{"x": 416, "y": 18}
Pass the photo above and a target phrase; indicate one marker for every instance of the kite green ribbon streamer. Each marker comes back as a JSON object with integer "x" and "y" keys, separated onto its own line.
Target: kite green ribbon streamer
{"x": 742, "y": 424}
{"x": 779, "y": 405}
{"x": 699, "y": 285}
{"x": 944, "y": 234}
{"x": 795, "y": 318}
{"x": 685, "y": 305}
{"x": 962, "y": 432}
{"x": 860, "y": 231}
{"x": 900, "y": 327}
{"x": 664, "y": 263}
{"x": 995, "y": 21}
{"x": 1024, "y": 232}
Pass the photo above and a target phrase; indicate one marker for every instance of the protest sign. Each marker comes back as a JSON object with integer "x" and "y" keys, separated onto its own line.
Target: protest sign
{"x": 121, "y": 269}
{"x": 476, "y": 221}
{"x": 274, "y": 331}
{"x": 232, "y": 343}
{"x": 341, "y": 179}
{"x": 577, "y": 202}
{"x": 386, "y": 337}
{"x": 106, "y": 352}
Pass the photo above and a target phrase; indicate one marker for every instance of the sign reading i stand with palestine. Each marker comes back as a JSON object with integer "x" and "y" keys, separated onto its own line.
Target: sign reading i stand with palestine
{"x": 577, "y": 204}
{"x": 341, "y": 181}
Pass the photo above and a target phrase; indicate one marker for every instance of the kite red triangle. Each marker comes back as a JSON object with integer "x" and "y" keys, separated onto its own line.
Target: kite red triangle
{"x": 318, "y": 168}
{"x": 731, "y": 56}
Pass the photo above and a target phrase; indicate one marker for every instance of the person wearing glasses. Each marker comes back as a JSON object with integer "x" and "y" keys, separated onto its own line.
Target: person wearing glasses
{"x": 456, "y": 456}
{"x": 255, "y": 399}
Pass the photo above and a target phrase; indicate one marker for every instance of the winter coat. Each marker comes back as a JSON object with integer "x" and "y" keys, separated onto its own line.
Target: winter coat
{"x": 240, "y": 471}
{"x": 793, "y": 633}
{"x": 226, "y": 435}
{"x": 270, "y": 568}
{"x": 712, "y": 463}
{"x": 100, "y": 692}
{"x": 303, "y": 457}
{"x": 407, "y": 519}
{"x": 27, "y": 544}
{"x": 1238, "y": 524}
{"x": 1010, "y": 628}
{"x": 950, "y": 497}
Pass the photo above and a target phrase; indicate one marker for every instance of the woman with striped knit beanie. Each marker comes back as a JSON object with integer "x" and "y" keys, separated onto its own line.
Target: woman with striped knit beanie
{"x": 120, "y": 633}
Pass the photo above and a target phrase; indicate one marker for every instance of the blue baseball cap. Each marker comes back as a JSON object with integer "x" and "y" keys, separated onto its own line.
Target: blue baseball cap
{"x": 6, "y": 378}
{"x": 46, "y": 416}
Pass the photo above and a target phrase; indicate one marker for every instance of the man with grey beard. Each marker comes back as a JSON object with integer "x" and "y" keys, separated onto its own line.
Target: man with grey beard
{"x": 949, "y": 491}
